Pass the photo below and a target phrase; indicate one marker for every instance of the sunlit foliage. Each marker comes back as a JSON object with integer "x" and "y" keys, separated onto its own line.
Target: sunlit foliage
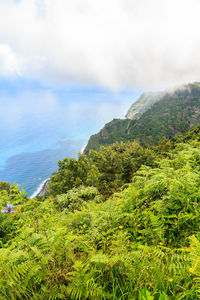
{"x": 108, "y": 169}
{"x": 142, "y": 242}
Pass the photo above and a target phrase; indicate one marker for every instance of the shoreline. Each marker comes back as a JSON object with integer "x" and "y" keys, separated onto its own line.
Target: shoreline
{"x": 43, "y": 185}
{"x": 83, "y": 148}
{"x": 41, "y": 189}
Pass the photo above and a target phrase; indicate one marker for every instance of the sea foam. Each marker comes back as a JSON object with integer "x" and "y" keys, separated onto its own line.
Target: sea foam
{"x": 40, "y": 187}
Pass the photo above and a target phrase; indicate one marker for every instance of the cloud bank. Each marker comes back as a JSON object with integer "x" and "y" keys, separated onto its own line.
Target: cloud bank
{"x": 111, "y": 43}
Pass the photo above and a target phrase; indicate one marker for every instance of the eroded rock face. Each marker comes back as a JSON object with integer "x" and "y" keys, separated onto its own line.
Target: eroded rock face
{"x": 45, "y": 189}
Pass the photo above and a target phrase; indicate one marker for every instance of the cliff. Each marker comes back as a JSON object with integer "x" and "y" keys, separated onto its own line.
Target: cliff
{"x": 153, "y": 116}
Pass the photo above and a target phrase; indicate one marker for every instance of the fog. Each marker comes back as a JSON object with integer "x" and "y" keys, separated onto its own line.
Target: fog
{"x": 111, "y": 43}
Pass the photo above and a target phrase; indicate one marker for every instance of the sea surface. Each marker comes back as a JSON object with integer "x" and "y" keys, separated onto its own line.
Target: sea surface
{"x": 39, "y": 126}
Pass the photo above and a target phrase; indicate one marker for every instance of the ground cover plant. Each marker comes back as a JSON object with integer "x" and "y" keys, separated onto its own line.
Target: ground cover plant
{"x": 141, "y": 241}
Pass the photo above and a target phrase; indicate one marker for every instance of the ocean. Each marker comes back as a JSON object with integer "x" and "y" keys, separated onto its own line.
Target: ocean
{"x": 40, "y": 126}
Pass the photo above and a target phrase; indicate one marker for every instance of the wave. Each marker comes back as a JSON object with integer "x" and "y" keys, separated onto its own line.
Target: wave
{"x": 42, "y": 184}
{"x": 39, "y": 189}
{"x": 83, "y": 148}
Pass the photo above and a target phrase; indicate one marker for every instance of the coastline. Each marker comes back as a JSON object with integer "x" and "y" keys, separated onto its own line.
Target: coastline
{"x": 43, "y": 185}
{"x": 41, "y": 188}
{"x": 83, "y": 148}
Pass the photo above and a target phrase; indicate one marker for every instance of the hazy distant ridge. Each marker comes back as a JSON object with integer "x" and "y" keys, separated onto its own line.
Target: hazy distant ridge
{"x": 152, "y": 116}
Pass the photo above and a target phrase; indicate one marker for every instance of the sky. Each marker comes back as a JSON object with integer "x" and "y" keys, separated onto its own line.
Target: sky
{"x": 112, "y": 44}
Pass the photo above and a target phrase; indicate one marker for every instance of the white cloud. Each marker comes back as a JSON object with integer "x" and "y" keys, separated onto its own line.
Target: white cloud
{"x": 113, "y": 43}
{"x": 8, "y": 61}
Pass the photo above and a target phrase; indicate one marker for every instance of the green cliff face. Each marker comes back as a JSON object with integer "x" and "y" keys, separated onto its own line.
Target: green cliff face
{"x": 145, "y": 101}
{"x": 112, "y": 131}
{"x": 153, "y": 116}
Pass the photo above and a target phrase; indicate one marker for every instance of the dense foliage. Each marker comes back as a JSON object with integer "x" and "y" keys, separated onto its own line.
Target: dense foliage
{"x": 107, "y": 170}
{"x": 140, "y": 243}
{"x": 175, "y": 113}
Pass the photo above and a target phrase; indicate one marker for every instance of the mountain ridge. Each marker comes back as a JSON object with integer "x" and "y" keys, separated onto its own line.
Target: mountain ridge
{"x": 167, "y": 113}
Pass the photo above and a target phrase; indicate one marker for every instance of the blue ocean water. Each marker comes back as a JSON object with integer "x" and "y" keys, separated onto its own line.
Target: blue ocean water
{"x": 31, "y": 169}
{"x": 39, "y": 126}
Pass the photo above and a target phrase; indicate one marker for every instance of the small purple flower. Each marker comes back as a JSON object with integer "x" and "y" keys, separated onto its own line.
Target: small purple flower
{"x": 8, "y": 210}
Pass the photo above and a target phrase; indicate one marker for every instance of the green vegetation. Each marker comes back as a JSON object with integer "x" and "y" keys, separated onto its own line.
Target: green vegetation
{"x": 107, "y": 170}
{"x": 168, "y": 115}
{"x": 145, "y": 101}
{"x": 112, "y": 132}
{"x": 122, "y": 223}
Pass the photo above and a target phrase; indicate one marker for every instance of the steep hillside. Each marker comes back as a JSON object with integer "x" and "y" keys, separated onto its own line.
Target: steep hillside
{"x": 112, "y": 132}
{"x": 173, "y": 113}
{"x": 145, "y": 101}
{"x": 143, "y": 242}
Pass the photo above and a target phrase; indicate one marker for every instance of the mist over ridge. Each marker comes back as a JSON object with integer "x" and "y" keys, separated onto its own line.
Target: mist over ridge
{"x": 114, "y": 44}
